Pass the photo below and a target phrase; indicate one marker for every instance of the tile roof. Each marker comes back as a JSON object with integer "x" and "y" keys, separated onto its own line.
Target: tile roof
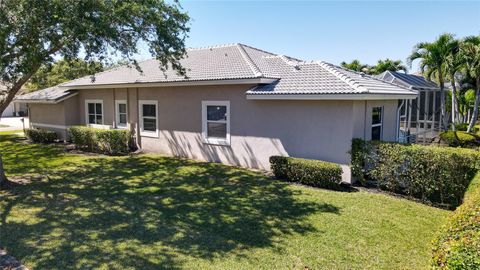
{"x": 412, "y": 81}
{"x": 51, "y": 94}
{"x": 239, "y": 61}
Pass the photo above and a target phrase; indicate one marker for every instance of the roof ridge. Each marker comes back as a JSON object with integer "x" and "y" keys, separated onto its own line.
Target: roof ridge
{"x": 212, "y": 47}
{"x": 345, "y": 78}
{"x": 253, "y": 48}
{"x": 256, "y": 71}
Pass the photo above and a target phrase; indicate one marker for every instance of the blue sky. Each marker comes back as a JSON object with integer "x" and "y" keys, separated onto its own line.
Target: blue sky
{"x": 332, "y": 31}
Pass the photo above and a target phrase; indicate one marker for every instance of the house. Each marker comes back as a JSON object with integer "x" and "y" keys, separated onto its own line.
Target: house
{"x": 14, "y": 108}
{"x": 420, "y": 117}
{"x": 237, "y": 105}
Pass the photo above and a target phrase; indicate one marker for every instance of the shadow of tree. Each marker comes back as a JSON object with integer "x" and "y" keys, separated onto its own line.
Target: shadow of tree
{"x": 148, "y": 212}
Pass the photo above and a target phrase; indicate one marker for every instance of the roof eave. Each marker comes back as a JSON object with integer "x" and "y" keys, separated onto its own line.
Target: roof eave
{"x": 46, "y": 101}
{"x": 364, "y": 96}
{"x": 262, "y": 80}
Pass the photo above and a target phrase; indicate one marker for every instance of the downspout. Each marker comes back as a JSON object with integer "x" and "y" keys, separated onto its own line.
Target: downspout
{"x": 398, "y": 121}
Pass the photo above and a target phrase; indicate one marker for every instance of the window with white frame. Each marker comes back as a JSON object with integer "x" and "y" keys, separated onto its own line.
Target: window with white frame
{"x": 377, "y": 123}
{"x": 148, "y": 111}
{"x": 121, "y": 113}
{"x": 94, "y": 112}
{"x": 216, "y": 122}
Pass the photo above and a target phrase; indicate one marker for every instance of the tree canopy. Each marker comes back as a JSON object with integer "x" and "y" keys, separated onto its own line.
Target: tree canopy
{"x": 62, "y": 71}
{"x": 34, "y": 32}
{"x": 381, "y": 66}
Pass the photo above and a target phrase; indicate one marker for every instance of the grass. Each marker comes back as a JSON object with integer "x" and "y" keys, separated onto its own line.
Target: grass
{"x": 154, "y": 212}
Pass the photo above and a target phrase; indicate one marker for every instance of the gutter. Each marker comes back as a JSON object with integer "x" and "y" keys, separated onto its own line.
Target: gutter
{"x": 367, "y": 96}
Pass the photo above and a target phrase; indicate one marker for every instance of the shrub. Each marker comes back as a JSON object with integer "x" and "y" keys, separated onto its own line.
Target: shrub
{"x": 40, "y": 135}
{"x": 460, "y": 138}
{"x": 438, "y": 175}
{"x": 113, "y": 142}
{"x": 464, "y": 127}
{"x": 82, "y": 137}
{"x": 106, "y": 141}
{"x": 310, "y": 172}
{"x": 458, "y": 243}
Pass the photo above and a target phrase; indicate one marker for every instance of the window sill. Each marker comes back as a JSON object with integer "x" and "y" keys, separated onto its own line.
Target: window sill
{"x": 150, "y": 134}
{"x": 221, "y": 142}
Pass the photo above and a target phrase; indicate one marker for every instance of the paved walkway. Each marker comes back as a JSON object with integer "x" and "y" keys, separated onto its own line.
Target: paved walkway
{"x": 12, "y": 123}
{"x": 10, "y": 263}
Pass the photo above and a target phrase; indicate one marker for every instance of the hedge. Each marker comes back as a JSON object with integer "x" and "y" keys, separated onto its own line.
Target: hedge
{"x": 438, "y": 175}
{"x": 310, "y": 172}
{"x": 458, "y": 244}
{"x": 106, "y": 141}
{"x": 40, "y": 135}
{"x": 460, "y": 139}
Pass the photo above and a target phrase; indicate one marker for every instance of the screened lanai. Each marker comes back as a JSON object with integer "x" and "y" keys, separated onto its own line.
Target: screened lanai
{"x": 420, "y": 117}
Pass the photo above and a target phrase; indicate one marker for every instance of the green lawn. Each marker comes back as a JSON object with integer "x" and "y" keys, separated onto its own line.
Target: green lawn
{"x": 154, "y": 212}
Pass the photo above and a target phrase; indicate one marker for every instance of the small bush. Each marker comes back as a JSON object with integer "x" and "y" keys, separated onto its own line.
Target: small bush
{"x": 40, "y": 135}
{"x": 106, "y": 141}
{"x": 460, "y": 139}
{"x": 438, "y": 175}
{"x": 458, "y": 243}
{"x": 307, "y": 171}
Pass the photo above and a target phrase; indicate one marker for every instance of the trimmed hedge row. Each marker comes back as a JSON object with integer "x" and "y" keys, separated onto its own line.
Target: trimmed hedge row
{"x": 438, "y": 175}
{"x": 40, "y": 135}
{"x": 460, "y": 139}
{"x": 106, "y": 141}
{"x": 310, "y": 172}
{"x": 458, "y": 244}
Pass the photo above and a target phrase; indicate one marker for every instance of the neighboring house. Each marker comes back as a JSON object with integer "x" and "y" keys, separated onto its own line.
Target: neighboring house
{"x": 238, "y": 105}
{"x": 13, "y": 109}
{"x": 421, "y": 116}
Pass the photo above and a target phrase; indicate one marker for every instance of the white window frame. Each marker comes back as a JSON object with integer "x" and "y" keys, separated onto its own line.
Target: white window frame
{"x": 216, "y": 141}
{"x": 117, "y": 113}
{"x": 88, "y": 101}
{"x": 379, "y": 124}
{"x": 147, "y": 133}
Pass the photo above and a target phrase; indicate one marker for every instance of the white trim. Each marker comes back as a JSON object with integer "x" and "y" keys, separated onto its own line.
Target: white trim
{"x": 153, "y": 134}
{"x": 49, "y": 126}
{"x": 117, "y": 113}
{"x": 370, "y": 96}
{"x": 205, "y": 138}
{"x": 87, "y": 101}
{"x": 180, "y": 83}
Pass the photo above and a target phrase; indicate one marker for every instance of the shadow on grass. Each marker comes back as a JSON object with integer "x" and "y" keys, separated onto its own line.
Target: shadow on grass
{"x": 147, "y": 212}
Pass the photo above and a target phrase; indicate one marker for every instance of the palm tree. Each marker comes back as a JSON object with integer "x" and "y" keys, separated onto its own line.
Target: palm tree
{"x": 390, "y": 65}
{"x": 453, "y": 64}
{"x": 470, "y": 53}
{"x": 433, "y": 57}
{"x": 355, "y": 65}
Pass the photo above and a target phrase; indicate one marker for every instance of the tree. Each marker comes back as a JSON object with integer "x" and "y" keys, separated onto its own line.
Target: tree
{"x": 62, "y": 71}
{"x": 355, "y": 65}
{"x": 453, "y": 64}
{"x": 388, "y": 65}
{"x": 470, "y": 52}
{"x": 433, "y": 57}
{"x": 34, "y": 32}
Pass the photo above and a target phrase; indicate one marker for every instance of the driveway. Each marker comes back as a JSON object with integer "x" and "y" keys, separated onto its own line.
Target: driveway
{"x": 12, "y": 123}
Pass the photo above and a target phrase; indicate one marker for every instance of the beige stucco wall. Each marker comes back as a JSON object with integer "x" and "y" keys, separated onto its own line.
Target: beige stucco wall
{"x": 259, "y": 128}
{"x": 363, "y": 118}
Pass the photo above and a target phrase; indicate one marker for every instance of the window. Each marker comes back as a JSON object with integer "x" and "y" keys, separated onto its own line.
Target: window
{"x": 216, "y": 122}
{"x": 377, "y": 122}
{"x": 94, "y": 112}
{"x": 121, "y": 117}
{"x": 148, "y": 112}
